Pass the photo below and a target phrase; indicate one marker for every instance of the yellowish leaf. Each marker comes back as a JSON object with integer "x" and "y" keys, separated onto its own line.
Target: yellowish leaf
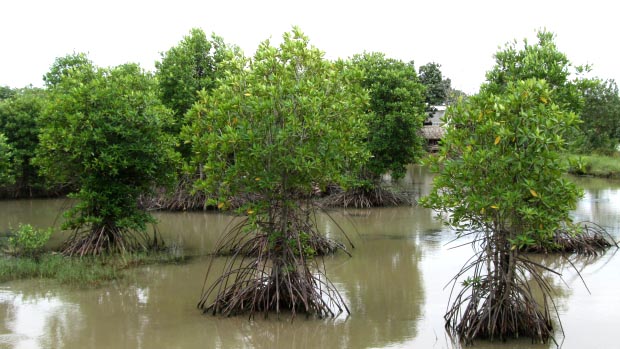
{"x": 482, "y": 210}
{"x": 247, "y": 94}
{"x": 544, "y": 100}
{"x": 534, "y": 194}
{"x": 257, "y": 179}
{"x": 497, "y": 140}
{"x": 495, "y": 207}
{"x": 220, "y": 205}
{"x": 250, "y": 211}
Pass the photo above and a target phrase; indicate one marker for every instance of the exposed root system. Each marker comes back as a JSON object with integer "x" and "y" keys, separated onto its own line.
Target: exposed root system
{"x": 275, "y": 267}
{"x": 106, "y": 239}
{"x": 498, "y": 301}
{"x": 242, "y": 239}
{"x": 590, "y": 240}
{"x": 362, "y": 197}
{"x": 180, "y": 198}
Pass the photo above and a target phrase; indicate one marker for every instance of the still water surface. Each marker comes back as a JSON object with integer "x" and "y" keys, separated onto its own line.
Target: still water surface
{"x": 393, "y": 284}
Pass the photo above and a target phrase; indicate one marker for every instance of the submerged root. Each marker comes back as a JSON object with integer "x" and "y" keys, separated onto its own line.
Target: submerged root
{"x": 362, "y": 197}
{"x": 105, "y": 239}
{"x": 589, "y": 240}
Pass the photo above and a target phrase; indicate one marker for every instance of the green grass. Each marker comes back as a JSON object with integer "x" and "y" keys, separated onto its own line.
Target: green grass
{"x": 607, "y": 166}
{"x": 81, "y": 272}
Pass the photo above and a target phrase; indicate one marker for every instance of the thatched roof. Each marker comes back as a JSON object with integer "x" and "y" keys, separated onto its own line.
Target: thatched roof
{"x": 432, "y": 132}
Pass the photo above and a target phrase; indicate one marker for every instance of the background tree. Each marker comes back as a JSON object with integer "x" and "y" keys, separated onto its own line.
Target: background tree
{"x": 18, "y": 121}
{"x": 601, "y": 117}
{"x": 397, "y": 106}
{"x": 191, "y": 66}
{"x": 437, "y": 88}
{"x": 5, "y": 92}
{"x": 278, "y": 125}
{"x": 500, "y": 178}
{"x": 454, "y": 95}
{"x": 103, "y": 129}
{"x": 397, "y": 114}
{"x": 6, "y": 170}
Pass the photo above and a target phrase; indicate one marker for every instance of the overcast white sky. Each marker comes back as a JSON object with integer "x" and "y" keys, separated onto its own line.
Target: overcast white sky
{"x": 460, "y": 35}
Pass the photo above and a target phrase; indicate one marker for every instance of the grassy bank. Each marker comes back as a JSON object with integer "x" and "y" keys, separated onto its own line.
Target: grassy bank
{"x": 607, "y": 166}
{"x": 81, "y": 272}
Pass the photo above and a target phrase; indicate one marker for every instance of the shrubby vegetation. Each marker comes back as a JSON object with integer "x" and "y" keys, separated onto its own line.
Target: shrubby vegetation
{"x": 500, "y": 179}
{"x": 103, "y": 132}
{"x": 517, "y": 199}
{"x": 278, "y": 125}
{"x": 28, "y": 241}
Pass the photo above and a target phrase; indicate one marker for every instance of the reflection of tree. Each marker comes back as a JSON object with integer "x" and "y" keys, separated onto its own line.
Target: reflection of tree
{"x": 599, "y": 205}
{"x": 418, "y": 180}
{"x": 40, "y": 213}
{"x": 384, "y": 287}
{"x": 415, "y": 223}
{"x": 197, "y": 232}
{"x": 153, "y": 307}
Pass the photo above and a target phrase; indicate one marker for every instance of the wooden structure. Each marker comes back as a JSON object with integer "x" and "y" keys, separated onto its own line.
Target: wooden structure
{"x": 433, "y": 135}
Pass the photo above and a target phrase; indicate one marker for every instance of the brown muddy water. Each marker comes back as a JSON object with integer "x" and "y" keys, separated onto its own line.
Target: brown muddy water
{"x": 394, "y": 286}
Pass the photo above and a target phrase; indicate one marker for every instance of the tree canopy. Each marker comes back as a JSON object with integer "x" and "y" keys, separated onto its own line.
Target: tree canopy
{"x": 540, "y": 60}
{"x": 279, "y": 123}
{"x": 501, "y": 162}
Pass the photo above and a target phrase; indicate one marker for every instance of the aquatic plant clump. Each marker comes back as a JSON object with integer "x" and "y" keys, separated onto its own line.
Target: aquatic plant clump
{"x": 278, "y": 268}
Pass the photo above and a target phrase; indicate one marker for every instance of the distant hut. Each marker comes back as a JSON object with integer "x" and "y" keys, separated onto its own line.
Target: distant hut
{"x": 433, "y": 135}
{"x": 433, "y": 130}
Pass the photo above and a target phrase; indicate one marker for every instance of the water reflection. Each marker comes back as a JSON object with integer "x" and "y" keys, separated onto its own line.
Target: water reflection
{"x": 393, "y": 284}
{"x": 600, "y": 203}
{"x": 197, "y": 232}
